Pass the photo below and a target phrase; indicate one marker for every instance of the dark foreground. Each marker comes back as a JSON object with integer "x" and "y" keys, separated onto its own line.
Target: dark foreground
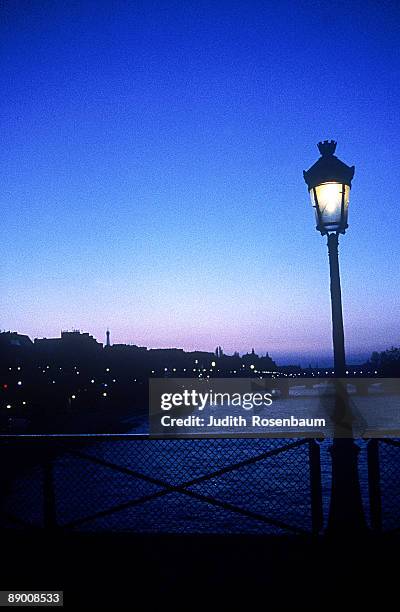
{"x": 111, "y": 571}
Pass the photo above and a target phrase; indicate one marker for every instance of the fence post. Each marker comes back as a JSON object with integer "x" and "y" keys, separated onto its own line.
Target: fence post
{"x": 49, "y": 498}
{"x": 317, "y": 517}
{"x": 374, "y": 485}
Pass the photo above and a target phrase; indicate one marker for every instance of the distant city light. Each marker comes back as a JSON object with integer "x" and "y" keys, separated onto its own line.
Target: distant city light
{"x": 24, "y": 403}
{"x": 213, "y": 364}
{"x": 92, "y": 381}
{"x": 104, "y": 394}
{"x": 196, "y": 361}
{"x": 18, "y": 367}
{"x": 252, "y": 367}
{"x": 73, "y": 396}
{"x": 8, "y": 406}
{"x": 107, "y": 369}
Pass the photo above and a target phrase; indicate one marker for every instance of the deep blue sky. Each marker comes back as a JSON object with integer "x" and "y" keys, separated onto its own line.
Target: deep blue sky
{"x": 151, "y": 171}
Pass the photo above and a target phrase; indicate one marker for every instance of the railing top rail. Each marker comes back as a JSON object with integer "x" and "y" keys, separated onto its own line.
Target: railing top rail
{"x": 144, "y": 436}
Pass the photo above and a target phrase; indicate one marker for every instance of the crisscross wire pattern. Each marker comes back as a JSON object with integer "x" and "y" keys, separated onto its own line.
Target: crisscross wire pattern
{"x": 145, "y": 485}
{"x": 389, "y": 476}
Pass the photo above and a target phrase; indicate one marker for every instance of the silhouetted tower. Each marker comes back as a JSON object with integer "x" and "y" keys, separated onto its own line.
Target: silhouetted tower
{"x": 108, "y": 338}
{"x": 218, "y": 351}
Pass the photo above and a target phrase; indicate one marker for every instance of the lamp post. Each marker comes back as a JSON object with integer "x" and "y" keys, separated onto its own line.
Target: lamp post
{"x": 329, "y": 184}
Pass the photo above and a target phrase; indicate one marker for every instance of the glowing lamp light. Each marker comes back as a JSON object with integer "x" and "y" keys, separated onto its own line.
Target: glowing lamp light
{"x": 329, "y": 184}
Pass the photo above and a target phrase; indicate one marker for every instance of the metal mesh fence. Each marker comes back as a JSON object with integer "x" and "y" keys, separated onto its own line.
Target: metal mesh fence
{"x": 142, "y": 485}
{"x": 171, "y": 486}
{"x": 389, "y": 481}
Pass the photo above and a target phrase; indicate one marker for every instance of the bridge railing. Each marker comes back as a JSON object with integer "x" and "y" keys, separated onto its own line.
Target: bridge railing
{"x": 384, "y": 484}
{"x": 143, "y": 485}
{"x": 147, "y": 485}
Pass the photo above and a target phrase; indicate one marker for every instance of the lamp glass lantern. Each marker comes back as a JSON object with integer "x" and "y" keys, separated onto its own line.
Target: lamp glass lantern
{"x": 329, "y": 184}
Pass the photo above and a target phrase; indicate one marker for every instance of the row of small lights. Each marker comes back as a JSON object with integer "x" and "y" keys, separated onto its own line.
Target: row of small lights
{"x": 213, "y": 365}
{"x": 252, "y": 367}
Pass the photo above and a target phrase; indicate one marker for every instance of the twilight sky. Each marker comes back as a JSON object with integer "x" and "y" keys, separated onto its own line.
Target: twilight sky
{"x": 151, "y": 171}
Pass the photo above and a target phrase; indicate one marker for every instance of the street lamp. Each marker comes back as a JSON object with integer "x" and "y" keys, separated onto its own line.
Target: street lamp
{"x": 329, "y": 184}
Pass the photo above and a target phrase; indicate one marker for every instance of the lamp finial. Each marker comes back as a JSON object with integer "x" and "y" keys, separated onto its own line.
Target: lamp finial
{"x": 327, "y": 147}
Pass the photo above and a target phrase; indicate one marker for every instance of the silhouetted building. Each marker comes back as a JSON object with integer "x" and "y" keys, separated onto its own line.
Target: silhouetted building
{"x": 72, "y": 346}
{"x": 10, "y": 339}
{"x": 15, "y": 349}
